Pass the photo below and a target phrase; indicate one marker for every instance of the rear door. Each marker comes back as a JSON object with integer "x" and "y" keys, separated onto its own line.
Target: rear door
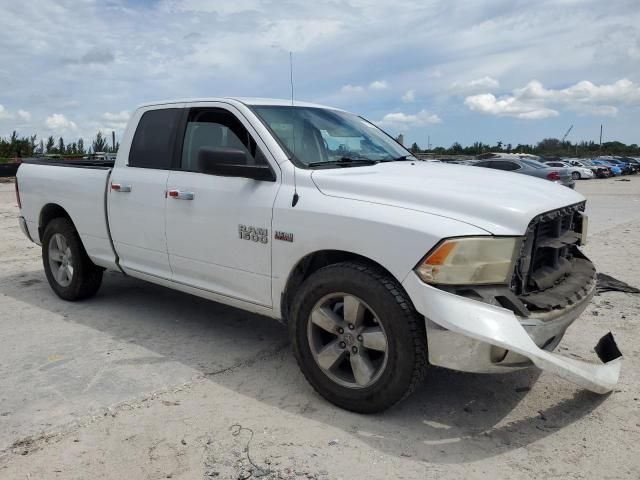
{"x": 137, "y": 191}
{"x": 219, "y": 228}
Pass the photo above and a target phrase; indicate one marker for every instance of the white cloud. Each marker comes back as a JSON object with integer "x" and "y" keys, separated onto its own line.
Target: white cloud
{"x": 4, "y": 113}
{"x": 115, "y": 121}
{"x": 207, "y": 6}
{"x": 409, "y": 96}
{"x": 534, "y": 101}
{"x": 121, "y": 116}
{"x": 352, "y": 89}
{"x": 24, "y": 115}
{"x": 59, "y": 123}
{"x": 475, "y": 85}
{"x": 375, "y": 85}
{"x": 378, "y": 85}
{"x": 508, "y": 107}
{"x": 7, "y": 115}
{"x": 399, "y": 120}
{"x": 623, "y": 91}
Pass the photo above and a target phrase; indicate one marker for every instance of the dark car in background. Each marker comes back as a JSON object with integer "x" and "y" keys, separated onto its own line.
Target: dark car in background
{"x": 530, "y": 167}
{"x": 635, "y": 162}
{"x": 628, "y": 165}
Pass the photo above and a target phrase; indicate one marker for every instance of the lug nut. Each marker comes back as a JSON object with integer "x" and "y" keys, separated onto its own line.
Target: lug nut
{"x": 340, "y": 330}
{"x": 354, "y": 349}
{"x": 359, "y": 338}
{"x": 342, "y": 344}
{"x": 351, "y": 327}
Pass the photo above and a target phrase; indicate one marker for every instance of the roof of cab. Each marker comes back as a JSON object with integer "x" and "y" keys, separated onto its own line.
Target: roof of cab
{"x": 244, "y": 100}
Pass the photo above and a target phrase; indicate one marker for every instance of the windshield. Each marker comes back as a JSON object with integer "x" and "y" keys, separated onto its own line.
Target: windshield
{"x": 317, "y": 136}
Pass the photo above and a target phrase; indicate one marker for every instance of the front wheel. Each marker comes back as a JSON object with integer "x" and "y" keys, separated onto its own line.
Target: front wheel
{"x": 70, "y": 272}
{"x": 575, "y": 175}
{"x": 357, "y": 338}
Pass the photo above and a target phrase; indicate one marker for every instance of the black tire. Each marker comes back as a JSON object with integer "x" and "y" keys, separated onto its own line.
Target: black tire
{"x": 406, "y": 361}
{"x": 576, "y": 175}
{"x": 86, "y": 277}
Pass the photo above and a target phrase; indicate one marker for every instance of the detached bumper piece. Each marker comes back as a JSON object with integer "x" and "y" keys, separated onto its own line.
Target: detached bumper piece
{"x": 501, "y": 328}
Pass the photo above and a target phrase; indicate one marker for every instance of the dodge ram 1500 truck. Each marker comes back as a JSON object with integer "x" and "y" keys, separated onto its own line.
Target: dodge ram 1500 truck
{"x": 379, "y": 264}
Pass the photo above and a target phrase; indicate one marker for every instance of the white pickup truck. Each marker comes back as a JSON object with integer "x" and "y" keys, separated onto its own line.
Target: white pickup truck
{"x": 379, "y": 264}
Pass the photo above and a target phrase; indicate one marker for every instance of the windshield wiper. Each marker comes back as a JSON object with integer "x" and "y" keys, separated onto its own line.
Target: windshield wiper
{"x": 345, "y": 162}
{"x": 398, "y": 159}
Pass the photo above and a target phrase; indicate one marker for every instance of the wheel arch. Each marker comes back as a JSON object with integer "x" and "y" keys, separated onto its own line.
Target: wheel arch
{"x": 50, "y": 212}
{"x": 311, "y": 263}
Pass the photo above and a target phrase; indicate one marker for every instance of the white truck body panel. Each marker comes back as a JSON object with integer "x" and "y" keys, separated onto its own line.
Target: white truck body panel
{"x": 61, "y": 186}
{"x": 142, "y": 202}
{"x": 452, "y": 191}
{"x": 391, "y": 214}
{"x": 203, "y": 239}
{"x": 137, "y": 220}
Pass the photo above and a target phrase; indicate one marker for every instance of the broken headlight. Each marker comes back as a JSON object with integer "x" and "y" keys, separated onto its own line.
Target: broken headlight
{"x": 470, "y": 261}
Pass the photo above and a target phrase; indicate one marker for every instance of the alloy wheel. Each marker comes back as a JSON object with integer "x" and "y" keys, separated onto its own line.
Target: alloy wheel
{"x": 347, "y": 340}
{"x": 60, "y": 260}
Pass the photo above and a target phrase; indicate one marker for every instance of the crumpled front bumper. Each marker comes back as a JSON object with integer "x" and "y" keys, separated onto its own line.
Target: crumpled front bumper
{"x": 470, "y": 335}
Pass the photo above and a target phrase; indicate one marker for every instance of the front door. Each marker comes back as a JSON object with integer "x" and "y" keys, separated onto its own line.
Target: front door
{"x": 219, "y": 228}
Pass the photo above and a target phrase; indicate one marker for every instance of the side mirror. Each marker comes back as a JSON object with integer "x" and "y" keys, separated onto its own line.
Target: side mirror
{"x": 231, "y": 162}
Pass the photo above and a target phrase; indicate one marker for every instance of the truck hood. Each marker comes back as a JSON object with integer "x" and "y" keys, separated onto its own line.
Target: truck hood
{"x": 502, "y": 203}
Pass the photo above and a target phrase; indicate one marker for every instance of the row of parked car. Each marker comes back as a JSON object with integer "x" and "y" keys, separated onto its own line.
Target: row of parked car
{"x": 561, "y": 170}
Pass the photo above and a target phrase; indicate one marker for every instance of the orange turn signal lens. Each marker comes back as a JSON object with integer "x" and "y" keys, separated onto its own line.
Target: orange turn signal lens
{"x": 441, "y": 254}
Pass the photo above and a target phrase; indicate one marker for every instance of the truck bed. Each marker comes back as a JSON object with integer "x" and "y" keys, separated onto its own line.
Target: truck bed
{"x": 79, "y": 190}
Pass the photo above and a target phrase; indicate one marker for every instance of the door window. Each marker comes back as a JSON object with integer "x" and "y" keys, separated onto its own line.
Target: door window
{"x": 152, "y": 145}
{"x": 217, "y": 129}
{"x": 504, "y": 165}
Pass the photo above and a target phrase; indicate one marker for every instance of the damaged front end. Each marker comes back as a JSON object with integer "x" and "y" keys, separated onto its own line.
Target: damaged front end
{"x": 514, "y": 324}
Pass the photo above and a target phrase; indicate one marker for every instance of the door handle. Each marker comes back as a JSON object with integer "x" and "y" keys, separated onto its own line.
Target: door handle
{"x": 180, "y": 195}
{"x": 117, "y": 187}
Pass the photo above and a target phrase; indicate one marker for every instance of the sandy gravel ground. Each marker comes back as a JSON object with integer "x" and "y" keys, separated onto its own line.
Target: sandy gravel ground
{"x": 143, "y": 382}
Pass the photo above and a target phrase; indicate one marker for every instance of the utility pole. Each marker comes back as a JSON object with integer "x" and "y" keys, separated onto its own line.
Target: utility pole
{"x": 429, "y": 142}
{"x": 113, "y": 140}
{"x": 601, "y": 139}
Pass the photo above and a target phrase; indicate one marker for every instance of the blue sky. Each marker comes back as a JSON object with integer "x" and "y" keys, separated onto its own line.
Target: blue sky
{"x": 466, "y": 71}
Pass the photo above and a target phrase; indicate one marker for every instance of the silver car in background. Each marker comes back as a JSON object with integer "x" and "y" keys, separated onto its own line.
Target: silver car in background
{"x": 576, "y": 172}
{"x": 530, "y": 167}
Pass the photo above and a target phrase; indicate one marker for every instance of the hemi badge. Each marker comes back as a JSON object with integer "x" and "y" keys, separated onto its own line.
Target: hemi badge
{"x": 284, "y": 236}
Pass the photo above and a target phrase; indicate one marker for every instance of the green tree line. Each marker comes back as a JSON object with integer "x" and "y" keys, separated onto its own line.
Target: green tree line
{"x": 29, "y": 146}
{"x": 546, "y": 147}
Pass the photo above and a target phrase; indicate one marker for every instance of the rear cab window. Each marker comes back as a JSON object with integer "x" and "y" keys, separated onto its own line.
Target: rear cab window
{"x": 153, "y": 143}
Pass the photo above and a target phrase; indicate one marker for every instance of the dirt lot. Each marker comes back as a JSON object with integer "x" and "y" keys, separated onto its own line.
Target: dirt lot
{"x": 144, "y": 382}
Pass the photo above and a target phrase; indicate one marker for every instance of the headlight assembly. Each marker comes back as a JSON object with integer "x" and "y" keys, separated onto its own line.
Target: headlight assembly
{"x": 470, "y": 261}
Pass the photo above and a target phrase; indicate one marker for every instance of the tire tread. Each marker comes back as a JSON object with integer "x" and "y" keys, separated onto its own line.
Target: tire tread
{"x": 413, "y": 319}
{"x": 89, "y": 275}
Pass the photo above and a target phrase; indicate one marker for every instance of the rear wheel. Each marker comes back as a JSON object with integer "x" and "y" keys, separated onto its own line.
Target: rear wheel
{"x": 576, "y": 175}
{"x": 357, "y": 338}
{"x": 70, "y": 272}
